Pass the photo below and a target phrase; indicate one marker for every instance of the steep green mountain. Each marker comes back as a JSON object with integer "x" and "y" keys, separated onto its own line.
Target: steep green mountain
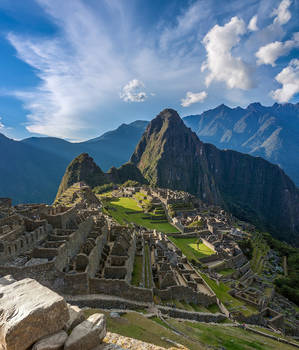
{"x": 31, "y": 169}
{"x": 170, "y": 155}
{"x": 83, "y": 168}
{"x": 269, "y": 132}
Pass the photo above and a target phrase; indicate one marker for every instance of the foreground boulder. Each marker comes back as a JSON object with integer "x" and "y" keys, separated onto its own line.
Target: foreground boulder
{"x": 29, "y": 312}
{"x": 88, "y": 334}
{"x": 52, "y": 342}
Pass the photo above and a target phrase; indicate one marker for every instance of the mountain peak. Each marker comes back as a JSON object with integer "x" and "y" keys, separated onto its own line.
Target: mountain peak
{"x": 82, "y": 168}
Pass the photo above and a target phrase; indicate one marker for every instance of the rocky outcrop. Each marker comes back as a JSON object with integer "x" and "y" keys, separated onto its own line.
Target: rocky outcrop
{"x": 29, "y": 312}
{"x": 271, "y": 132}
{"x": 84, "y": 169}
{"x": 170, "y": 155}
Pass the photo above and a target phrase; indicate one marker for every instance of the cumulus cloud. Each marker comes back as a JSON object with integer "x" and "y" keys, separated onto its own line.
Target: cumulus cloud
{"x": 269, "y": 53}
{"x": 289, "y": 78}
{"x": 220, "y": 63}
{"x": 131, "y": 92}
{"x": 282, "y": 14}
{"x": 252, "y": 26}
{"x": 193, "y": 97}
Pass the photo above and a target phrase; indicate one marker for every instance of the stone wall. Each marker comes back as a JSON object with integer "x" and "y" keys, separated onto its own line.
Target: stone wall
{"x": 189, "y": 315}
{"x": 25, "y": 242}
{"x": 185, "y": 293}
{"x": 120, "y": 288}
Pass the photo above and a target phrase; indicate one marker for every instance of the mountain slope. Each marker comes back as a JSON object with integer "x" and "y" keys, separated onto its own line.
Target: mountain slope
{"x": 269, "y": 132}
{"x": 28, "y": 174}
{"x": 83, "y": 168}
{"x": 171, "y": 155}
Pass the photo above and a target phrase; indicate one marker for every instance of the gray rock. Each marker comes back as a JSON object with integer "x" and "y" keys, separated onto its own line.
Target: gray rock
{"x": 52, "y": 342}
{"x": 29, "y": 312}
{"x": 88, "y": 334}
{"x": 76, "y": 317}
{"x": 6, "y": 280}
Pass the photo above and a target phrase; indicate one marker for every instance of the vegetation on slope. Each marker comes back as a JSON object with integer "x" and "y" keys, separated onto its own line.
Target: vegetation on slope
{"x": 125, "y": 210}
{"x": 200, "y": 335}
{"x": 191, "y": 249}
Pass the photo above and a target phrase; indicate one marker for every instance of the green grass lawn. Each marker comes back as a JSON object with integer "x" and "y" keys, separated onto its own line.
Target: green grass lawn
{"x": 137, "y": 271}
{"x": 232, "y": 304}
{"x": 189, "y": 248}
{"x": 152, "y": 331}
{"x": 119, "y": 209}
{"x": 224, "y": 337}
{"x": 201, "y": 335}
{"x": 226, "y": 272}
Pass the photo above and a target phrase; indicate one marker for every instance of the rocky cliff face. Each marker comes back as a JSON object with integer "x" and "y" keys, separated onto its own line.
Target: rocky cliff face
{"x": 83, "y": 168}
{"x": 170, "y": 155}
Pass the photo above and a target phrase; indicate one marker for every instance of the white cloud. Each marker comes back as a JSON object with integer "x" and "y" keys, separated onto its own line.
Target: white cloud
{"x": 184, "y": 24}
{"x": 1, "y": 125}
{"x": 79, "y": 71}
{"x": 222, "y": 65}
{"x": 282, "y": 13}
{"x": 131, "y": 92}
{"x": 253, "y": 24}
{"x": 269, "y": 53}
{"x": 193, "y": 97}
{"x": 289, "y": 78}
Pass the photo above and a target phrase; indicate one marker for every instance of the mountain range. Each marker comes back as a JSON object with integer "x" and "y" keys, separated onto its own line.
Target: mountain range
{"x": 170, "y": 155}
{"x": 31, "y": 169}
{"x": 269, "y": 132}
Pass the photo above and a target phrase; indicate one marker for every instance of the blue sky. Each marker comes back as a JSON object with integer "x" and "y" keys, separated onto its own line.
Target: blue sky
{"x": 77, "y": 68}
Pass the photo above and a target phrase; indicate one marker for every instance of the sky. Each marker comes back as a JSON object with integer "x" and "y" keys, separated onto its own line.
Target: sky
{"x": 77, "y": 68}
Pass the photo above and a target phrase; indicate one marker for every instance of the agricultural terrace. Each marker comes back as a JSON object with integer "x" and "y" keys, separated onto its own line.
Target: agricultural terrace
{"x": 232, "y": 304}
{"x": 191, "y": 249}
{"x": 197, "y": 335}
{"x": 126, "y": 210}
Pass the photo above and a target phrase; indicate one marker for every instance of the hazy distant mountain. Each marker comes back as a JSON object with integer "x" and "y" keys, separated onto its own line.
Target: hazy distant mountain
{"x": 28, "y": 174}
{"x": 111, "y": 149}
{"x": 170, "y": 155}
{"x": 31, "y": 169}
{"x": 269, "y": 132}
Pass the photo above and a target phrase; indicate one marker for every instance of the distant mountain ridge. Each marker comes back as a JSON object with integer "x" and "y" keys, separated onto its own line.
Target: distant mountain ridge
{"x": 31, "y": 170}
{"x": 269, "y": 132}
{"x": 170, "y": 155}
{"x": 113, "y": 148}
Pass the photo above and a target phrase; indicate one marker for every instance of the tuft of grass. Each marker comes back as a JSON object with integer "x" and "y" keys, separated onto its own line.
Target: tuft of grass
{"x": 137, "y": 271}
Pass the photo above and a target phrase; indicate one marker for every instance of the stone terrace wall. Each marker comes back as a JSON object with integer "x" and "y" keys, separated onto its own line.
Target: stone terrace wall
{"x": 24, "y": 243}
{"x": 119, "y": 288}
{"x": 189, "y": 315}
{"x": 185, "y": 293}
